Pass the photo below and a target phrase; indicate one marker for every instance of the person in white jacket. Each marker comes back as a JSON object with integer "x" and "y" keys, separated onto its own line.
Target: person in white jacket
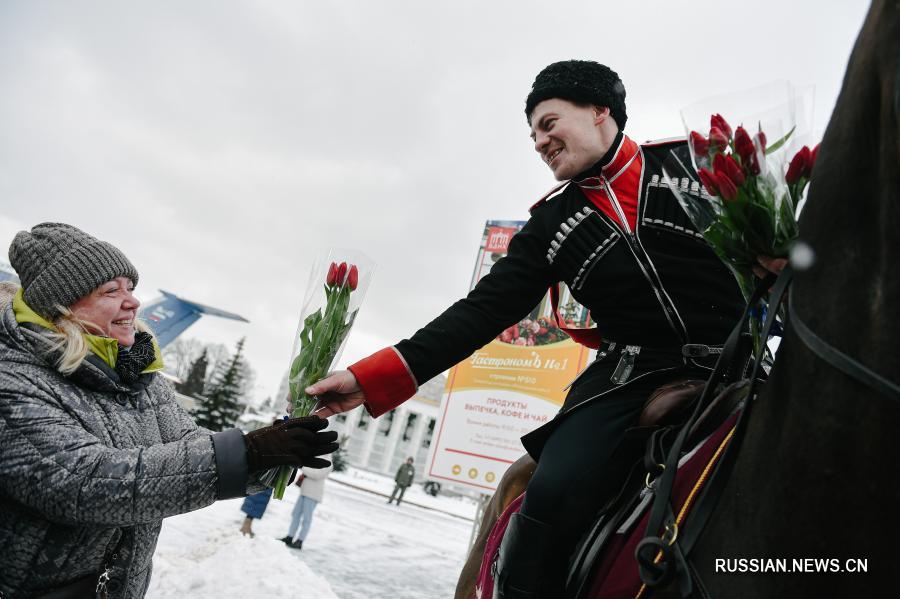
{"x": 312, "y": 487}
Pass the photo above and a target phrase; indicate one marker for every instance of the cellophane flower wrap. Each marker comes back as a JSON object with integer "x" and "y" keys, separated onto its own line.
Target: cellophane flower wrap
{"x": 735, "y": 178}
{"x": 337, "y": 286}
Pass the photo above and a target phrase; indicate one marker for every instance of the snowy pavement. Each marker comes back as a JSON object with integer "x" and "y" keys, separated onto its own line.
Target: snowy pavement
{"x": 358, "y": 547}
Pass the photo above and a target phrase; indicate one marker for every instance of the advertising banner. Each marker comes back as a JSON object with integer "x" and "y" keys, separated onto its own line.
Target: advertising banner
{"x": 509, "y": 387}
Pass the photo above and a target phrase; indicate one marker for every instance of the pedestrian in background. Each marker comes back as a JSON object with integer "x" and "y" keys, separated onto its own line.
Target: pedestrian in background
{"x": 94, "y": 450}
{"x": 312, "y": 488}
{"x": 404, "y": 478}
{"x": 254, "y": 506}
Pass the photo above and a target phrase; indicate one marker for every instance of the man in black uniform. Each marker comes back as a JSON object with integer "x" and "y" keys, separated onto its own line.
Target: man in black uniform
{"x": 616, "y": 235}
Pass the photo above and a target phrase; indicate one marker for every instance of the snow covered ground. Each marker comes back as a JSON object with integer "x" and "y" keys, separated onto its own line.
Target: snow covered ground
{"x": 358, "y": 547}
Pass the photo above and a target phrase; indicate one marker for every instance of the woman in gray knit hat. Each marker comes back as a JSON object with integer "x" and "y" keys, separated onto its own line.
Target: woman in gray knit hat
{"x": 94, "y": 451}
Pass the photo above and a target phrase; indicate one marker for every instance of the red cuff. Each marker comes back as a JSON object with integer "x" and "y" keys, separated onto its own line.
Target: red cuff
{"x": 385, "y": 379}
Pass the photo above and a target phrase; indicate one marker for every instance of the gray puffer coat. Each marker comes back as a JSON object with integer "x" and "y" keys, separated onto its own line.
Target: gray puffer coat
{"x": 89, "y": 467}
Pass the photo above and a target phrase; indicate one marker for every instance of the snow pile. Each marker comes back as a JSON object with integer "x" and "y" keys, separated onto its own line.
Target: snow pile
{"x": 225, "y": 564}
{"x": 358, "y": 548}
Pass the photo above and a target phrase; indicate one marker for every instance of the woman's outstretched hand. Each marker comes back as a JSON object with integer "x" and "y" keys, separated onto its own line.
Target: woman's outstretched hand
{"x": 336, "y": 393}
{"x": 293, "y": 442}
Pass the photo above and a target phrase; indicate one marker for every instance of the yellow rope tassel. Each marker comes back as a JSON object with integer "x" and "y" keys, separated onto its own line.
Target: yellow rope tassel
{"x": 690, "y": 498}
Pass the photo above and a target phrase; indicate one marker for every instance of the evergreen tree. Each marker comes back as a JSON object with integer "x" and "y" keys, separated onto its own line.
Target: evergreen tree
{"x": 222, "y": 406}
{"x": 194, "y": 382}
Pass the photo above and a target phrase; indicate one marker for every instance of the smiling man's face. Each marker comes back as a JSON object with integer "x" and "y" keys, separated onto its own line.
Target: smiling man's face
{"x": 568, "y": 136}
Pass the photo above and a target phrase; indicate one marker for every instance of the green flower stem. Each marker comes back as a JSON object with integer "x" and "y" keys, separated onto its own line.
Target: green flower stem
{"x": 320, "y": 340}
{"x": 747, "y": 281}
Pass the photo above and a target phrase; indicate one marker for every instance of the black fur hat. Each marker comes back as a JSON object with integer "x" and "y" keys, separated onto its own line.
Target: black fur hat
{"x": 582, "y": 82}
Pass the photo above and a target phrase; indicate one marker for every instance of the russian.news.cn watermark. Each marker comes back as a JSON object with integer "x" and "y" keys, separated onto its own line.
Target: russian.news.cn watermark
{"x": 781, "y": 565}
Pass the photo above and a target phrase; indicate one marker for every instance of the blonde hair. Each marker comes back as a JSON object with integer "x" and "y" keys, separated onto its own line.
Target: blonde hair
{"x": 7, "y": 290}
{"x": 68, "y": 339}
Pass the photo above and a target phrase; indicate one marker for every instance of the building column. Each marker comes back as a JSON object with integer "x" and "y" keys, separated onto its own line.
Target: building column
{"x": 418, "y": 435}
{"x": 368, "y": 442}
{"x": 352, "y": 421}
{"x": 393, "y": 439}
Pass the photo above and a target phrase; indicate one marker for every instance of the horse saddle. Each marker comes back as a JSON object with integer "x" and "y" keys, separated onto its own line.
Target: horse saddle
{"x": 604, "y": 564}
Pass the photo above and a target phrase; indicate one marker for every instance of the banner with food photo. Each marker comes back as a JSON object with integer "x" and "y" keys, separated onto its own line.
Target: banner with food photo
{"x": 507, "y": 388}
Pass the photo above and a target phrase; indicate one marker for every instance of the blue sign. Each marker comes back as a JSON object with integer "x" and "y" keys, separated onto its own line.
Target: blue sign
{"x": 7, "y": 273}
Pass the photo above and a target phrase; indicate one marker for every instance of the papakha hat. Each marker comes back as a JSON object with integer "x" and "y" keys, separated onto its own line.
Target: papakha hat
{"x": 582, "y": 82}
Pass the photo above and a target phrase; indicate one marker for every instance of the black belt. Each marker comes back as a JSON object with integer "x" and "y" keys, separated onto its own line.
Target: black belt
{"x": 629, "y": 353}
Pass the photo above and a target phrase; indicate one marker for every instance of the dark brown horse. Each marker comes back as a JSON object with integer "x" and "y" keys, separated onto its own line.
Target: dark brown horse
{"x": 815, "y": 474}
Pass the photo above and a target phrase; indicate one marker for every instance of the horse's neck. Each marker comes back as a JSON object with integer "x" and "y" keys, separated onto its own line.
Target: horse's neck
{"x": 814, "y": 428}
{"x": 811, "y": 469}
{"x": 851, "y": 296}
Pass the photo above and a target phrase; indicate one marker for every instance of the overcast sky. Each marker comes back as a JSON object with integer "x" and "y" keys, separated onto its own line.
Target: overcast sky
{"x": 221, "y": 144}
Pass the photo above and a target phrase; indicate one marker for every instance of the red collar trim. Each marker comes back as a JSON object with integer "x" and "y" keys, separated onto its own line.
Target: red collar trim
{"x": 623, "y": 156}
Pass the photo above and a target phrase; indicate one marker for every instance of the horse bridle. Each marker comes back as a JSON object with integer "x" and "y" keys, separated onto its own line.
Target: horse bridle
{"x": 840, "y": 360}
{"x": 656, "y": 574}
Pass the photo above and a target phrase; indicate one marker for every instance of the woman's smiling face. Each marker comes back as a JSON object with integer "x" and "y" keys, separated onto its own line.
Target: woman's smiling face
{"x": 110, "y": 310}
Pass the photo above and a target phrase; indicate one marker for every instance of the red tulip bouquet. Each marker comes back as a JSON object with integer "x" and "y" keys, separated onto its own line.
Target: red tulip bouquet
{"x": 327, "y": 316}
{"x": 745, "y": 204}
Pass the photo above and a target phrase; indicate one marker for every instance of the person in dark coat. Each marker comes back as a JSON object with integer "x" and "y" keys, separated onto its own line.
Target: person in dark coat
{"x": 254, "y": 506}
{"x": 403, "y": 479}
{"x": 94, "y": 450}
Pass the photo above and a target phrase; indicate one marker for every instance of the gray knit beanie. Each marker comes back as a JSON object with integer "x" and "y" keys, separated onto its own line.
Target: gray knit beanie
{"x": 58, "y": 264}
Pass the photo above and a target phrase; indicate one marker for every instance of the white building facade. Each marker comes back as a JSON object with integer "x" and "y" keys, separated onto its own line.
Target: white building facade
{"x": 382, "y": 444}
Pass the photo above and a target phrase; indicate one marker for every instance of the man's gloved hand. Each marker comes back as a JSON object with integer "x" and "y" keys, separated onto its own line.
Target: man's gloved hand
{"x": 294, "y": 442}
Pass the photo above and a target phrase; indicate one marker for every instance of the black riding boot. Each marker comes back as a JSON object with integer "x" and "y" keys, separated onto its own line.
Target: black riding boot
{"x": 520, "y": 563}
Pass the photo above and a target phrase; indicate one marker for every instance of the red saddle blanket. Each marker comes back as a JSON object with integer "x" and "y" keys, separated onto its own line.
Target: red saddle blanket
{"x": 615, "y": 570}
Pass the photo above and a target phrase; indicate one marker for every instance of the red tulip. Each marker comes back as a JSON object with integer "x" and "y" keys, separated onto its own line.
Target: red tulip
{"x": 726, "y": 165}
{"x": 727, "y": 189}
{"x": 718, "y": 163}
{"x": 812, "y": 158}
{"x": 720, "y": 123}
{"x": 709, "y": 181}
{"x": 761, "y": 140}
{"x": 353, "y": 277}
{"x": 799, "y": 166}
{"x": 753, "y": 167}
{"x": 743, "y": 145}
{"x": 717, "y": 139}
{"x": 341, "y": 273}
{"x": 331, "y": 279}
{"x": 699, "y": 143}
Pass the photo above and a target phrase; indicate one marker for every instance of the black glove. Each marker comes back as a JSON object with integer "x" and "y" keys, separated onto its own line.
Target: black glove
{"x": 293, "y": 442}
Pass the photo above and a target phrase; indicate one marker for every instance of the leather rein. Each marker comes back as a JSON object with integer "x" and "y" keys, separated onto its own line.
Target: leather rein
{"x": 839, "y": 360}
